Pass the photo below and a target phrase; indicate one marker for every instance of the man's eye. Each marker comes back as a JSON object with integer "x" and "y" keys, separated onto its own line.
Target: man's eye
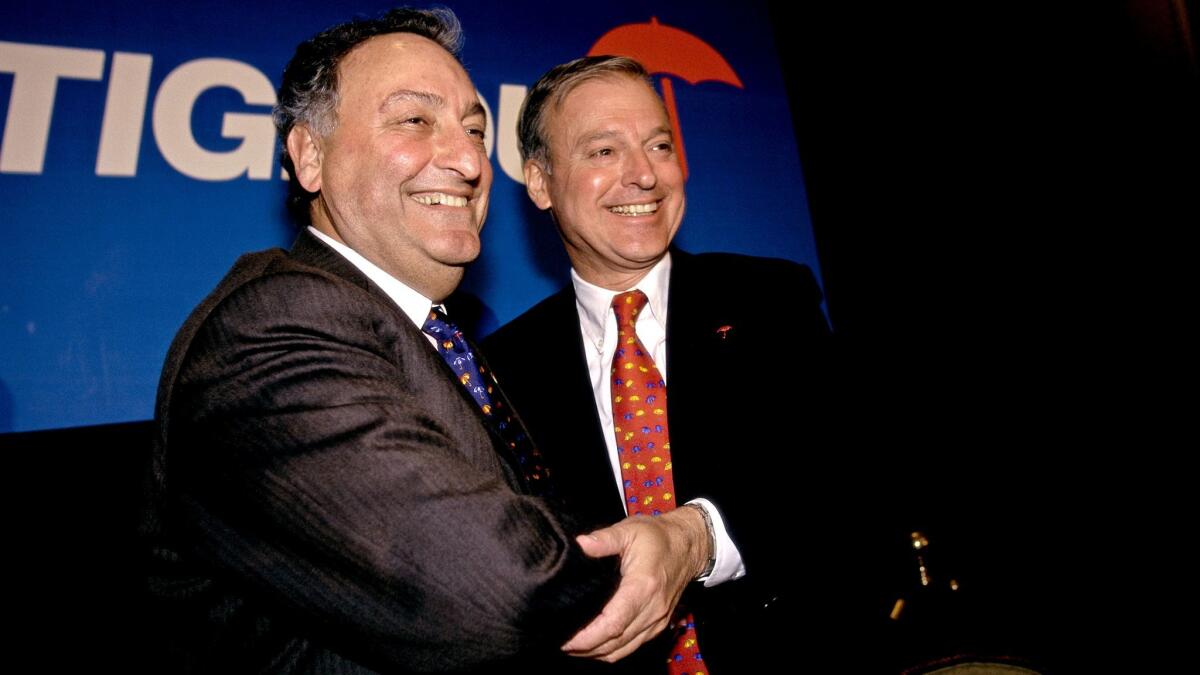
{"x": 663, "y": 147}
{"x": 415, "y": 120}
{"x": 603, "y": 152}
{"x": 478, "y": 134}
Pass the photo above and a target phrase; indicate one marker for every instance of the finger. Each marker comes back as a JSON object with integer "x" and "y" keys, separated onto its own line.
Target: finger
{"x": 627, "y": 643}
{"x": 613, "y": 621}
{"x": 630, "y": 619}
{"x": 606, "y": 647}
{"x": 601, "y": 543}
{"x": 633, "y": 644}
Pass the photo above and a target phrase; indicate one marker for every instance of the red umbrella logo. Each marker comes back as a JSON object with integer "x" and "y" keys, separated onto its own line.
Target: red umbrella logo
{"x": 671, "y": 51}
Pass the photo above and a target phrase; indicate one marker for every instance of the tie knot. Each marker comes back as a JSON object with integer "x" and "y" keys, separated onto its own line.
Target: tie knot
{"x": 627, "y": 305}
{"x": 447, "y": 334}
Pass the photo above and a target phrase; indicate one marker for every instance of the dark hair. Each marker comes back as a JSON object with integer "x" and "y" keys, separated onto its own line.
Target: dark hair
{"x": 309, "y": 92}
{"x": 554, "y": 86}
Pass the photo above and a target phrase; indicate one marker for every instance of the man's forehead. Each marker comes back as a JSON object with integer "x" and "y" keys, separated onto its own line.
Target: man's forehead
{"x": 585, "y": 114}
{"x": 399, "y": 54}
{"x": 588, "y": 96}
{"x": 399, "y": 67}
{"x": 585, "y": 90}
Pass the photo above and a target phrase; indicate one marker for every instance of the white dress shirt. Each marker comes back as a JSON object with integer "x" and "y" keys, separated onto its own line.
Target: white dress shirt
{"x": 598, "y": 323}
{"x": 414, "y": 305}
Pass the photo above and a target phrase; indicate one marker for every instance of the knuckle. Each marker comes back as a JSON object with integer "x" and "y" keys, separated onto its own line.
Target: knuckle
{"x": 607, "y": 631}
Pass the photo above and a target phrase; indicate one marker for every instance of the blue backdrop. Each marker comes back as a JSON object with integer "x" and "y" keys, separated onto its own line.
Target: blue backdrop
{"x": 137, "y": 162}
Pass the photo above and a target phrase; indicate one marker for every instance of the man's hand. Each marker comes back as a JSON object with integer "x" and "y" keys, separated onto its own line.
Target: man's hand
{"x": 659, "y": 556}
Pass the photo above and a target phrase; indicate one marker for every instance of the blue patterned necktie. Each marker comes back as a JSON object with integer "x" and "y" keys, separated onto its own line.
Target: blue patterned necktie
{"x": 475, "y": 376}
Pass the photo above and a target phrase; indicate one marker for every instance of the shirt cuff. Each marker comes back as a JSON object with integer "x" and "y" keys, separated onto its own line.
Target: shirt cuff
{"x": 728, "y": 564}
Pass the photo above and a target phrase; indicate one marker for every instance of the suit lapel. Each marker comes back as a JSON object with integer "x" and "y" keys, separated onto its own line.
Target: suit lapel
{"x": 312, "y": 251}
{"x": 309, "y": 250}
{"x": 701, "y": 330}
{"x": 587, "y": 471}
{"x": 684, "y": 326}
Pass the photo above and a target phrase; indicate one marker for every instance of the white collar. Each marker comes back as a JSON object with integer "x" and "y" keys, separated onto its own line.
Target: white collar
{"x": 595, "y": 303}
{"x": 414, "y": 305}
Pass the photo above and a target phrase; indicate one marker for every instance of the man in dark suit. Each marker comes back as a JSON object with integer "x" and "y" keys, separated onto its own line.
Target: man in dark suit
{"x": 324, "y": 494}
{"x": 743, "y": 341}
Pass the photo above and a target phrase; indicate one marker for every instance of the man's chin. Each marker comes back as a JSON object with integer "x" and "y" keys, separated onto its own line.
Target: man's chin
{"x": 458, "y": 250}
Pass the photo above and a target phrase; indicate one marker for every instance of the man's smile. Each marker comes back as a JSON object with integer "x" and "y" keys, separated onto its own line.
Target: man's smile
{"x": 634, "y": 209}
{"x": 439, "y": 198}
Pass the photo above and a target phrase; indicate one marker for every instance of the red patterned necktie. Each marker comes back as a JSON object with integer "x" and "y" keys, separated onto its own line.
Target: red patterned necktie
{"x": 639, "y": 406}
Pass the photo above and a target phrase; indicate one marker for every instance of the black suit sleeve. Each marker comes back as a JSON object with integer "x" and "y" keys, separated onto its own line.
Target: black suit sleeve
{"x": 316, "y": 458}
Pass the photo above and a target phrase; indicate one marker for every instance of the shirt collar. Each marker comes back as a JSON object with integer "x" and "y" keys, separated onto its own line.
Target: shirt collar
{"x": 414, "y": 305}
{"x": 595, "y": 303}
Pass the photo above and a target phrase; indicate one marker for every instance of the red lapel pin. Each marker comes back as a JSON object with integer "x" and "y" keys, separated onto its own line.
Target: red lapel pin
{"x": 723, "y": 331}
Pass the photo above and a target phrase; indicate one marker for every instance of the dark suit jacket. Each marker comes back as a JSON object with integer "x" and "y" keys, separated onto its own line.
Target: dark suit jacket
{"x": 747, "y": 407}
{"x": 325, "y": 497}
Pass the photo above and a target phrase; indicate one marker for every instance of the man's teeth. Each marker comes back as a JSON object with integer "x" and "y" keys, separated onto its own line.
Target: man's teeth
{"x": 634, "y": 209}
{"x": 431, "y": 198}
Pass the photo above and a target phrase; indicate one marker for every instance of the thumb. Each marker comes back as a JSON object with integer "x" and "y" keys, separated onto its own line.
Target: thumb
{"x": 603, "y": 542}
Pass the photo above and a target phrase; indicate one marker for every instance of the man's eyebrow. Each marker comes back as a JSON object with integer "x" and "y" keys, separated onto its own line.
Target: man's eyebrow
{"x": 605, "y": 134}
{"x": 663, "y": 130}
{"x": 602, "y": 135}
{"x": 426, "y": 97}
{"x": 475, "y": 108}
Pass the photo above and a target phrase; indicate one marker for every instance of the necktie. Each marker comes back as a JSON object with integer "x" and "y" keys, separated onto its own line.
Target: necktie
{"x": 639, "y": 398}
{"x": 480, "y": 383}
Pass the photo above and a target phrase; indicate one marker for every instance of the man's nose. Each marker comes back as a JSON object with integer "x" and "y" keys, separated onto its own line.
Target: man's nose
{"x": 461, "y": 153}
{"x": 639, "y": 170}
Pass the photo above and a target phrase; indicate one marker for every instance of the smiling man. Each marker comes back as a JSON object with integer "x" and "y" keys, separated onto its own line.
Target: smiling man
{"x": 402, "y": 179}
{"x": 338, "y": 483}
{"x": 679, "y": 378}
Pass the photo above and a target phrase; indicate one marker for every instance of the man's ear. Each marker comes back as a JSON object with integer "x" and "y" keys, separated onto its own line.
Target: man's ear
{"x": 535, "y": 184}
{"x": 305, "y": 150}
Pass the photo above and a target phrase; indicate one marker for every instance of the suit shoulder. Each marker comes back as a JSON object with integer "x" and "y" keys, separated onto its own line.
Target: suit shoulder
{"x": 741, "y": 273}
{"x": 285, "y": 287}
{"x": 268, "y": 295}
{"x": 747, "y": 264}
{"x": 265, "y": 272}
{"x": 247, "y": 267}
{"x": 531, "y": 323}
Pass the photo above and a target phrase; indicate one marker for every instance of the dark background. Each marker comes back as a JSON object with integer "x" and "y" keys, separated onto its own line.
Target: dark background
{"x": 1001, "y": 195}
